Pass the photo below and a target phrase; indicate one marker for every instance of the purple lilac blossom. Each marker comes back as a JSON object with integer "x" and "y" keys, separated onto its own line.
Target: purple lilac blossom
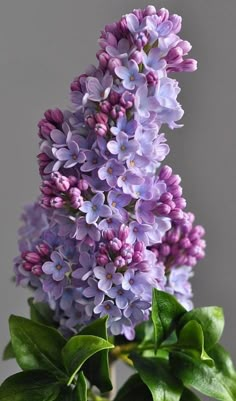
{"x": 111, "y": 222}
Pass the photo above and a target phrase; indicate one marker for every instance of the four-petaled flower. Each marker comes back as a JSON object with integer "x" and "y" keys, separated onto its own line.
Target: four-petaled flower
{"x": 57, "y": 268}
{"x": 71, "y": 155}
{"x": 131, "y": 77}
{"x": 123, "y": 147}
{"x": 111, "y": 171}
{"x": 95, "y": 208}
{"x": 107, "y": 276}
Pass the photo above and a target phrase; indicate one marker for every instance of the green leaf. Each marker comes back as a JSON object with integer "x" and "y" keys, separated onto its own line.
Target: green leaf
{"x": 211, "y": 319}
{"x": 224, "y": 367}
{"x": 134, "y": 389}
{"x": 41, "y": 313}
{"x": 199, "y": 375}
{"x": 166, "y": 312}
{"x": 36, "y": 385}
{"x": 96, "y": 369}
{"x": 78, "y": 349}
{"x": 81, "y": 388}
{"x": 191, "y": 339}
{"x": 188, "y": 396}
{"x": 8, "y": 352}
{"x": 157, "y": 375}
{"x": 37, "y": 346}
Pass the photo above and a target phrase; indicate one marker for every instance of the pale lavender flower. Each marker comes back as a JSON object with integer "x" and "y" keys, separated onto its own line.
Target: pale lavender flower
{"x": 123, "y": 147}
{"x": 93, "y": 161}
{"x": 54, "y": 288}
{"x": 70, "y": 156}
{"x": 139, "y": 232}
{"x": 121, "y": 296}
{"x": 84, "y": 271}
{"x": 130, "y": 75}
{"x": 122, "y": 124}
{"x": 126, "y": 180}
{"x": 99, "y": 89}
{"x": 144, "y": 104}
{"x": 57, "y": 268}
{"x": 95, "y": 208}
{"x": 134, "y": 282}
{"x": 120, "y": 51}
{"x": 111, "y": 171}
{"x": 84, "y": 229}
{"x": 107, "y": 276}
{"x": 153, "y": 61}
{"x": 117, "y": 200}
{"x": 135, "y": 310}
{"x": 108, "y": 308}
{"x": 94, "y": 292}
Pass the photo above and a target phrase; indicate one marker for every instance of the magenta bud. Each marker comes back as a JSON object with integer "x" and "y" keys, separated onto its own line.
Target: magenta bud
{"x": 127, "y": 100}
{"x": 27, "y": 266}
{"x": 119, "y": 262}
{"x": 165, "y": 173}
{"x": 176, "y": 190}
{"x": 113, "y": 63}
{"x": 54, "y": 116}
{"x": 177, "y": 22}
{"x": 163, "y": 209}
{"x": 101, "y": 118}
{"x": 123, "y": 24}
{"x": 105, "y": 106}
{"x": 117, "y": 112}
{"x": 43, "y": 249}
{"x": 114, "y": 97}
{"x": 189, "y": 65}
{"x": 46, "y": 190}
{"x": 137, "y": 256}
{"x": 143, "y": 266}
{"x": 75, "y": 192}
{"x": 166, "y": 197}
{"x": 43, "y": 157}
{"x": 174, "y": 179}
{"x": 100, "y": 129}
{"x": 103, "y": 59}
{"x": 45, "y": 129}
{"x": 32, "y": 257}
{"x": 108, "y": 234}
{"x": 180, "y": 203}
{"x": 83, "y": 185}
{"x": 102, "y": 259}
{"x": 175, "y": 55}
{"x": 139, "y": 246}
{"x": 173, "y": 236}
{"x": 111, "y": 39}
{"x": 115, "y": 244}
{"x": 72, "y": 180}
{"x": 165, "y": 250}
{"x": 150, "y": 10}
{"x": 62, "y": 184}
{"x": 90, "y": 121}
{"x": 45, "y": 202}
{"x": 185, "y": 243}
{"x": 137, "y": 56}
{"x": 176, "y": 214}
{"x": 185, "y": 46}
{"x": 37, "y": 270}
{"x": 57, "y": 202}
{"x": 152, "y": 78}
{"x": 164, "y": 14}
{"x": 123, "y": 232}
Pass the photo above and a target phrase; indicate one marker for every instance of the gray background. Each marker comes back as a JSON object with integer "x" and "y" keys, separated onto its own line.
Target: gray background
{"x": 43, "y": 45}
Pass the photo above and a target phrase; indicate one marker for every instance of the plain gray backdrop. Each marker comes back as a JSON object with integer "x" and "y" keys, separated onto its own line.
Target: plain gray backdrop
{"x": 43, "y": 45}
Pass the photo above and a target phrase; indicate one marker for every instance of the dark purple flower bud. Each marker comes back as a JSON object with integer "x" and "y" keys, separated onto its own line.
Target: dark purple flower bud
{"x": 102, "y": 259}
{"x": 127, "y": 100}
{"x": 32, "y": 257}
{"x": 54, "y": 116}
{"x": 173, "y": 235}
{"x": 140, "y": 40}
{"x": 164, "y": 249}
{"x": 137, "y": 56}
{"x": 62, "y": 183}
{"x": 27, "y": 266}
{"x": 57, "y": 202}
{"x": 113, "y": 63}
{"x": 72, "y": 180}
{"x": 90, "y": 120}
{"x": 115, "y": 244}
{"x": 101, "y": 118}
{"x": 176, "y": 214}
{"x": 150, "y": 10}
{"x": 123, "y": 232}
{"x": 109, "y": 234}
{"x": 102, "y": 248}
{"x": 165, "y": 173}
{"x": 119, "y": 262}
{"x": 117, "y": 111}
{"x": 139, "y": 246}
{"x": 152, "y": 78}
{"x": 76, "y": 84}
{"x": 37, "y": 270}
{"x": 100, "y": 129}
{"x": 114, "y": 97}
{"x": 46, "y": 188}
{"x": 163, "y": 209}
{"x": 43, "y": 249}
{"x": 45, "y": 128}
{"x": 45, "y": 202}
{"x": 105, "y": 106}
{"x": 83, "y": 185}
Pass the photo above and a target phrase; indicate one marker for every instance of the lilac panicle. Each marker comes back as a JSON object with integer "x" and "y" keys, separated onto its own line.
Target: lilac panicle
{"x": 111, "y": 222}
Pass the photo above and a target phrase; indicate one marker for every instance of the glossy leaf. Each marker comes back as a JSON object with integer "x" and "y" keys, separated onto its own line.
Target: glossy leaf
{"x": 41, "y": 313}
{"x": 8, "y": 352}
{"x": 191, "y": 339}
{"x": 78, "y": 349}
{"x": 35, "y": 385}
{"x": 96, "y": 369}
{"x": 166, "y": 312}
{"x": 212, "y": 321}
{"x": 156, "y": 374}
{"x": 188, "y": 396}
{"x": 199, "y": 375}
{"x": 224, "y": 367}
{"x": 134, "y": 389}
{"x": 37, "y": 346}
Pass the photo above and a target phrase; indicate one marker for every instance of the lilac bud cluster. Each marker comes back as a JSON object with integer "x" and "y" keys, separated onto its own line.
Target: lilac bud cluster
{"x": 112, "y": 219}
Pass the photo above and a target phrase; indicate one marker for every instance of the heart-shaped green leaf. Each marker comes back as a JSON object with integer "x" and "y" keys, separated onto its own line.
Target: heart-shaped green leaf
{"x": 211, "y": 319}
{"x": 37, "y": 346}
{"x": 191, "y": 339}
{"x": 78, "y": 349}
{"x": 199, "y": 375}
{"x": 35, "y": 385}
{"x": 156, "y": 374}
{"x": 96, "y": 369}
{"x": 134, "y": 389}
{"x": 166, "y": 312}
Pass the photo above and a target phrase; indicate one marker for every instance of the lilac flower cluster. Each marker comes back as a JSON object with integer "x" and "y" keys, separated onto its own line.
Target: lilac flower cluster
{"x": 112, "y": 219}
